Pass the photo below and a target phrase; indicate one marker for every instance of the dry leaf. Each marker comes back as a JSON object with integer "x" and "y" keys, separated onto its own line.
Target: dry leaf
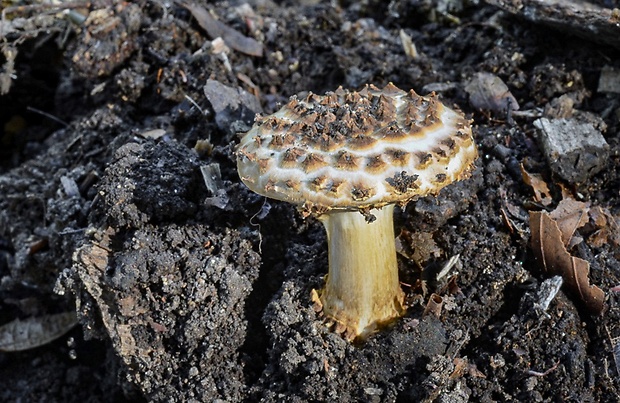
{"x": 542, "y": 194}
{"x": 608, "y": 227}
{"x": 433, "y": 306}
{"x": 217, "y": 29}
{"x": 550, "y": 251}
{"x": 460, "y": 365}
{"x": 20, "y": 335}
{"x": 570, "y": 215}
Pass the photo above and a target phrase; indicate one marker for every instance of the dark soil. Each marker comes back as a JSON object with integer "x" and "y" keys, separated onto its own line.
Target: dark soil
{"x": 188, "y": 294}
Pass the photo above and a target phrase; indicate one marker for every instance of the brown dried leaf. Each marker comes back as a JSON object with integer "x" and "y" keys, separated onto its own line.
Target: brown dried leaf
{"x": 569, "y": 215}
{"x": 434, "y": 305}
{"x": 599, "y": 216}
{"x": 542, "y": 194}
{"x": 547, "y": 245}
{"x": 232, "y": 37}
{"x": 507, "y": 221}
{"x": 608, "y": 227}
{"x": 460, "y": 365}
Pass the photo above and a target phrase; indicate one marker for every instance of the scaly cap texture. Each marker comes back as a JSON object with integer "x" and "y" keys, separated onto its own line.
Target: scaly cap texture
{"x": 356, "y": 150}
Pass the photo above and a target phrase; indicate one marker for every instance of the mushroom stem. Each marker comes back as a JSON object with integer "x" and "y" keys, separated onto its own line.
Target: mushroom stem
{"x": 362, "y": 291}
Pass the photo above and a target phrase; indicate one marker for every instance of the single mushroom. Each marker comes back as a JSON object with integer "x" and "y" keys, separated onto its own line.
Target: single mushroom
{"x": 337, "y": 155}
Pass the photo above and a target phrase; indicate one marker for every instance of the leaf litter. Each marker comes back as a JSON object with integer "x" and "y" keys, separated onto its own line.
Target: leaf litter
{"x": 551, "y": 234}
{"x": 19, "y": 335}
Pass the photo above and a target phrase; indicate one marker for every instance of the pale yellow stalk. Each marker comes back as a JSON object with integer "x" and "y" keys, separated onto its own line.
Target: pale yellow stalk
{"x": 362, "y": 291}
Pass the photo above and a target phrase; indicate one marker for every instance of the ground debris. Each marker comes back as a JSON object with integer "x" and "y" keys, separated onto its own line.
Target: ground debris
{"x": 217, "y": 29}
{"x": 570, "y": 215}
{"x": 609, "y": 80}
{"x": 548, "y": 245}
{"x": 108, "y": 38}
{"x": 543, "y": 373}
{"x": 234, "y": 108}
{"x": 574, "y": 150}
{"x": 153, "y": 134}
{"x": 215, "y": 186}
{"x": 20, "y": 335}
{"x": 547, "y": 291}
{"x": 408, "y": 45}
{"x": 417, "y": 246}
{"x": 8, "y": 69}
{"x": 542, "y": 194}
{"x": 434, "y": 305}
{"x": 488, "y": 92}
{"x": 607, "y": 227}
{"x": 580, "y": 18}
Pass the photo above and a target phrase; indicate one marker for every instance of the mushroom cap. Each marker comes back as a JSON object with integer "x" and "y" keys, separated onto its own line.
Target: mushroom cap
{"x": 356, "y": 150}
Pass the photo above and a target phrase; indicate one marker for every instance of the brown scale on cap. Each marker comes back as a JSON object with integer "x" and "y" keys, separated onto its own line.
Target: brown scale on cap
{"x": 375, "y": 164}
{"x": 441, "y": 154}
{"x": 360, "y": 139}
{"x": 321, "y": 183}
{"x": 361, "y": 192}
{"x": 313, "y": 162}
{"x": 331, "y": 143}
{"x": 424, "y": 159}
{"x": 450, "y": 143}
{"x": 440, "y": 178}
{"x": 263, "y": 165}
{"x": 361, "y": 143}
{"x": 346, "y": 161}
{"x": 398, "y": 157}
{"x": 403, "y": 183}
{"x": 278, "y": 141}
{"x": 392, "y": 133}
{"x": 290, "y": 157}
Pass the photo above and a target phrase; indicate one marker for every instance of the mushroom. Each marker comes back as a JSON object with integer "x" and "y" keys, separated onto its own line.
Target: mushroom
{"x": 345, "y": 153}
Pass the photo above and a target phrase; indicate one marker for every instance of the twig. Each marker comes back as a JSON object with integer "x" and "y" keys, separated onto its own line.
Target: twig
{"x": 536, "y": 373}
{"x": 47, "y": 115}
{"x": 194, "y": 103}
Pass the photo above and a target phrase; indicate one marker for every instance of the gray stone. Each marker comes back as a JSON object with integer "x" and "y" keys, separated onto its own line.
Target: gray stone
{"x": 575, "y": 150}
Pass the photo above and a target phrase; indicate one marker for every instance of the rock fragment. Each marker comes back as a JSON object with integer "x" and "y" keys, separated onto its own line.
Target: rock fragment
{"x": 575, "y": 151}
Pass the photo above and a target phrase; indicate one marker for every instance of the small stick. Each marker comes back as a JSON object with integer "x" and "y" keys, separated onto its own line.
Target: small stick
{"x": 47, "y": 115}
{"x": 536, "y": 373}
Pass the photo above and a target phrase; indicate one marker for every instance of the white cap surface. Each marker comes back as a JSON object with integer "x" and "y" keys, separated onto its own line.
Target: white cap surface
{"x": 356, "y": 150}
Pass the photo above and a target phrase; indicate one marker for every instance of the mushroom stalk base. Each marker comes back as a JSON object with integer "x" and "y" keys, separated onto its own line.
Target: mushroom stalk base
{"x": 362, "y": 292}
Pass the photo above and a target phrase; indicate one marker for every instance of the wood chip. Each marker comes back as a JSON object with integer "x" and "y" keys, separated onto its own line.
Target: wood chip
{"x": 576, "y": 17}
{"x": 408, "y": 46}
